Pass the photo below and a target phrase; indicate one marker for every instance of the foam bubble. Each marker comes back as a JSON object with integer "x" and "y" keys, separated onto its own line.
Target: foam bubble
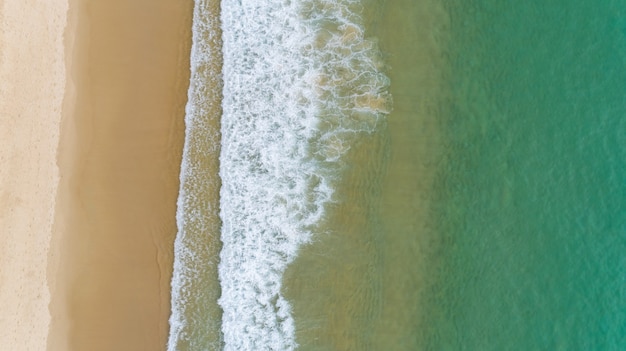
{"x": 301, "y": 83}
{"x": 195, "y": 320}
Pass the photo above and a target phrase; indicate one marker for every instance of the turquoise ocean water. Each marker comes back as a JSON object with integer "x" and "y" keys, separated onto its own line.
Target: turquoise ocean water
{"x": 533, "y": 194}
{"x": 404, "y": 175}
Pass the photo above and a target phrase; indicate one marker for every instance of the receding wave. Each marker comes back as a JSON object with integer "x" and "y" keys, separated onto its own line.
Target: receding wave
{"x": 301, "y": 82}
{"x": 196, "y": 318}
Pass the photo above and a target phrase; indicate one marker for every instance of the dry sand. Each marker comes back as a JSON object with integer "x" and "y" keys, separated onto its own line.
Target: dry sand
{"x": 32, "y": 81}
{"x": 119, "y": 158}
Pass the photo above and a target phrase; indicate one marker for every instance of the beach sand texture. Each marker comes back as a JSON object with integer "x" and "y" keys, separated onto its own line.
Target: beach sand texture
{"x": 96, "y": 110}
{"x": 119, "y": 159}
{"x": 32, "y": 81}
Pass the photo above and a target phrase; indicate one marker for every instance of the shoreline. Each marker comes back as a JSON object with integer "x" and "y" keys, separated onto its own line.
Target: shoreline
{"x": 58, "y": 329}
{"x": 119, "y": 153}
{"x": 32, "y": 76}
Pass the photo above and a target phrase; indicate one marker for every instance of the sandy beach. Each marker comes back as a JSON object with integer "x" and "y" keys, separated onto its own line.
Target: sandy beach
{"x": 32, "y": 81}
{"x": 119, "y": 158}
{"x": 88, "y": 267}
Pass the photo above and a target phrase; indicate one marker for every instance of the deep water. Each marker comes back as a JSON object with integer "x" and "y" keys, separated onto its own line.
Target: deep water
{"x": 533, "y": 191}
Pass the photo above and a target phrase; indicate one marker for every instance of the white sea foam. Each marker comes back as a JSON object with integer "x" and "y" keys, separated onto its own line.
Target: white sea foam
{"x": 301, "y": 83}
{"x": 195, "y": 320}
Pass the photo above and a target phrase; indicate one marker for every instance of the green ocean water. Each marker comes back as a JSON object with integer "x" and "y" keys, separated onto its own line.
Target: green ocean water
{"x": 533, "y": 193}
{"x": 490, "y": 213}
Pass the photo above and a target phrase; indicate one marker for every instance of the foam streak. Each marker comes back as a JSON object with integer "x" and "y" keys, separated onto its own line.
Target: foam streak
{"x": 301, "y": 83}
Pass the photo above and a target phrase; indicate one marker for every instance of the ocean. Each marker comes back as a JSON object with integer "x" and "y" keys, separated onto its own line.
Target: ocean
{"x": 403, "y": 175}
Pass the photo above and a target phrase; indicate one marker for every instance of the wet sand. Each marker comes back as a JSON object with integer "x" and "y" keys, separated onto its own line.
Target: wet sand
{"x": 32, "y": 81}
{"x": 119, "y": 159}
